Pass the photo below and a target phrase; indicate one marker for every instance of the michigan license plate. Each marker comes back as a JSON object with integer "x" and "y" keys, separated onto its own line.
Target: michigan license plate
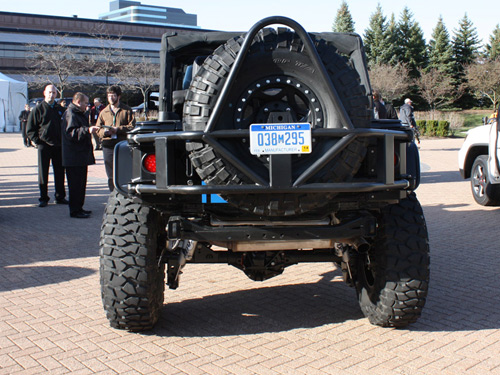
{"x": 266, "y": 139}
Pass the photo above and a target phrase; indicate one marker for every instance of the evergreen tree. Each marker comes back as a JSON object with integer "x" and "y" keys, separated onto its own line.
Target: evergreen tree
{"x": 411, "y": 38}
{"x": 375, "y": 38}
{"x": 465, "y": 43}
{"x": 394, "y": 51}
{"x": 343, "y": 22}
{"x": 493, "y": 49}
{"x": 465, "y": 51}
{"x": 440, "y": 50}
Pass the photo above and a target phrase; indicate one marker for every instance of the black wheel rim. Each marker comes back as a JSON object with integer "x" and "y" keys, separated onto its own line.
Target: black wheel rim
{"x": 278, "y": 94}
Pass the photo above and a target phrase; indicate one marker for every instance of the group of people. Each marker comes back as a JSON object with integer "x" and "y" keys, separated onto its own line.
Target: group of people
{"x": 383, "y": 110}
{"x": 63, "y": 137}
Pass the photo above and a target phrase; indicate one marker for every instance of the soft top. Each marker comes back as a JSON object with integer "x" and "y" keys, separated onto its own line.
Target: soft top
{"x": 177, "y": 44}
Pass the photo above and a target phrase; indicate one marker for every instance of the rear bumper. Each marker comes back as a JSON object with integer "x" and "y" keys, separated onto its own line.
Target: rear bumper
{"x": 131, "y": 179}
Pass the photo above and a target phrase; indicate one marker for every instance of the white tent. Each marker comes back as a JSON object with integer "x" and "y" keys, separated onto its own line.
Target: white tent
{"x": 13, "y": 97}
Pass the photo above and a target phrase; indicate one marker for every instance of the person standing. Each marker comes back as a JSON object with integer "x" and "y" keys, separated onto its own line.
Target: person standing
{"x": 113, "y": 122}
{"x": 77, "y": 153}
{"x": 44, "y": 130}
{"x": 407, "y": 117}
{"x": 379, "y": 111}
{"x": 93, "y": 116}
{"x": 23, "y": 118}
{"x": 390, "y": 110}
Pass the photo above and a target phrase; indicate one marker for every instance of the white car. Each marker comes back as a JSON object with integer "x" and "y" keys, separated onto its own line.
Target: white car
{"x": 478, "y": 159}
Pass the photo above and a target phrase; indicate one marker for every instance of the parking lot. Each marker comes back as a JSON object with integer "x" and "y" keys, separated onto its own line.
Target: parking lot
{"x": 306, "y": 321}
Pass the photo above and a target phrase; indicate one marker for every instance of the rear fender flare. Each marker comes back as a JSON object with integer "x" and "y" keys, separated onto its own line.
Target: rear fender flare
{"x": 122, "y": 167}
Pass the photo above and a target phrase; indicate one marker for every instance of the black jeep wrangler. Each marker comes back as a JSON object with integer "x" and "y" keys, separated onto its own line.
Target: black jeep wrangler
{"x": 265, "y": 155}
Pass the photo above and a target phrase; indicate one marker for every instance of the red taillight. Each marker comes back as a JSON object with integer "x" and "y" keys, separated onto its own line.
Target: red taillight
{"x": 149, "y": 163}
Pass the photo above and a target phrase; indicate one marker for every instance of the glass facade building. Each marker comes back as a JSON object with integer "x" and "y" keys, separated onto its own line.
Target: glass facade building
{"x": 135, "y": 12}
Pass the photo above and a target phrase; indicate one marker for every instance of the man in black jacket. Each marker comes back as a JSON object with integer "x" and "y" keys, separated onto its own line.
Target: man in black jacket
{"x": 408, "y": 118}
{"x": 391, "y": 111}
{"x": 44, "y": 130}
{"x": 23, "y": 118}
{"x": 379, "y": 111}
{"x": 77, "y": 153}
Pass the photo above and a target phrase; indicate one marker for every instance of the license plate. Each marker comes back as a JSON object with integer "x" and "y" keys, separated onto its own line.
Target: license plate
{"x": 266, "y": 139}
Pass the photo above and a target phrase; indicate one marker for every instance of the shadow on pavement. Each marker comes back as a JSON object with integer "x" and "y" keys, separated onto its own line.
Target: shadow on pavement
{"x": 440, "y": 177}
{"x": 16, "y": 168}
{"x": 266, "y": 309}
{"x": 21, "y": 277}
{"x": 452, "y": 149}
{"x": 9, "y": 149}
{"x": 33, "y": 234}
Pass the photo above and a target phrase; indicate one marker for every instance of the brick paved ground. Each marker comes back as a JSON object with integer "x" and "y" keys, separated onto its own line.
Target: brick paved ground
{"x": 219, "y": 322}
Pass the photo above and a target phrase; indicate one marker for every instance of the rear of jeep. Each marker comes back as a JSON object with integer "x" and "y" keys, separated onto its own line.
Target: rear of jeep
{"x": 265, "y": 155}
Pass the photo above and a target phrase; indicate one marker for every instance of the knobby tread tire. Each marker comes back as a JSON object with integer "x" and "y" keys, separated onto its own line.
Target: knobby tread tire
{"x": 205, "y": 89}
{"x": 394, "y": 293}
{"x": 132, "y": 283}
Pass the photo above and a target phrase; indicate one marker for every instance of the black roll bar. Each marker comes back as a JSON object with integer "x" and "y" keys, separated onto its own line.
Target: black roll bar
{"x": 309, "y": 48}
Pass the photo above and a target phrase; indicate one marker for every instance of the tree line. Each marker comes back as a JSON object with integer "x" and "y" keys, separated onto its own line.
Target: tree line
{"x": 66, "y": 66}
{"x": 448, "y": 72}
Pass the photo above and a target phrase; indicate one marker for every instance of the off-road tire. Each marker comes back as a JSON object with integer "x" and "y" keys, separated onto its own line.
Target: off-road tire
{"x": 484, "y": 192}
{"x": 276, "y": 61}
{"x": 392, "y": 279}
{"x": 132, "y": 282}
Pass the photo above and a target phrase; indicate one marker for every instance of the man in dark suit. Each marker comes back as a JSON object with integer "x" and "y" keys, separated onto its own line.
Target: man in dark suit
{"x": 77, "y": 153}
{"x": 44, "y": 130}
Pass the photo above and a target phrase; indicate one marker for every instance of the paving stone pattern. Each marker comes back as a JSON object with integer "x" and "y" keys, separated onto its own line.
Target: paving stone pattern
{"x": 306, "y": 321}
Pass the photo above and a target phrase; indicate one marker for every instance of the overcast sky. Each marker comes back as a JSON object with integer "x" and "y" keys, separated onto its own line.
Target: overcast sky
{"x": 316, "y": 15}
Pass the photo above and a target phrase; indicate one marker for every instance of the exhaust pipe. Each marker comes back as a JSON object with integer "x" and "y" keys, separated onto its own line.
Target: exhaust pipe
{"x": 359, "y": 244}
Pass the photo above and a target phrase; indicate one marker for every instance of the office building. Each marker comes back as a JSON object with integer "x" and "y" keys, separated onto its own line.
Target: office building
{"x": 20, "y": 31}
{"x": 135, "y": 12}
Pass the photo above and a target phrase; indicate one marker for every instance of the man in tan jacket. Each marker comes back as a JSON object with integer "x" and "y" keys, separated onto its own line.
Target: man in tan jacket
{"x": 114, "y": 122}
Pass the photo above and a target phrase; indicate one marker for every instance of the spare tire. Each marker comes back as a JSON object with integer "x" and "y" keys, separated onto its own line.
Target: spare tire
{"x": 277, "y": 76}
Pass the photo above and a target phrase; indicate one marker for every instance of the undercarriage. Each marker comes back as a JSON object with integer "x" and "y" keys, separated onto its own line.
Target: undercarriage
{"x": 263, "y": 249}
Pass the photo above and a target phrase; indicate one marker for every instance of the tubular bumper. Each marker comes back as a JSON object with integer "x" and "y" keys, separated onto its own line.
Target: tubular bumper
{"x": 132, "y": 181}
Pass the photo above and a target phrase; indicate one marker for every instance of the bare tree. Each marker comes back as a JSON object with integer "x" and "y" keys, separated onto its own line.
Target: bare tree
{"x": 435, "y": 87}
{"x": 108, "y": 53}
{"x": 391, "y": 81}
{"x": 143, "y": 75}
{"x": 54, "y": 61}
{"x": 484, "y": 79}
